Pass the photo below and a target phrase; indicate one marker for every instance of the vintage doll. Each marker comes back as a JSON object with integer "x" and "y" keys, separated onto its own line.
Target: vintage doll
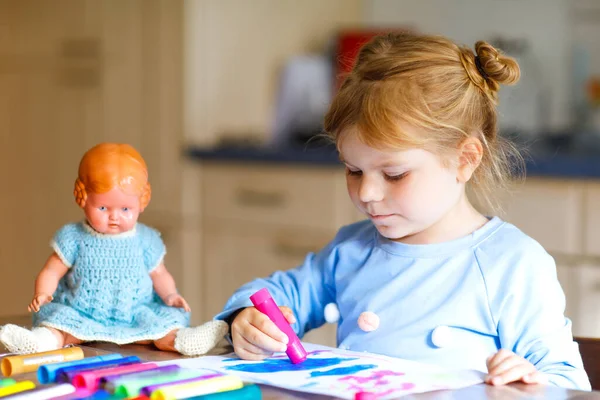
{"x": 106, "y": 279}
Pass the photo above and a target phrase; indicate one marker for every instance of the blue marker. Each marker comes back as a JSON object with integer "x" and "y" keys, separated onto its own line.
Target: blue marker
{"x": 67, "y": 374}
{"x": 248, "y": 392}
{"x": 47, "y": 373}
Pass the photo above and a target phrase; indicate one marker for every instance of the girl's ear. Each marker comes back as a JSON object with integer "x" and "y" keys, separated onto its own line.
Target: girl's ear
{"x": 470, "y": 153}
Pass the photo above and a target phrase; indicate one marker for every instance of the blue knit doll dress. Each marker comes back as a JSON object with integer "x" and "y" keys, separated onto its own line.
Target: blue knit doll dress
{"x": 107, "y": 294}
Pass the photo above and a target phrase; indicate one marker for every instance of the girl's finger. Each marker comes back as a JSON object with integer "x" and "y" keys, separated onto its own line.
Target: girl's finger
{"x": 498, "y": 359}
{"x": 248, "y": 348}
{"x": 535, "y": 378}
{"x": 288, "y": 314}
{"x": 268, "y": 327}
{"x": 513, "y": 374}
{"x": 262, "y": 339}
{"x": 505, "y": 365}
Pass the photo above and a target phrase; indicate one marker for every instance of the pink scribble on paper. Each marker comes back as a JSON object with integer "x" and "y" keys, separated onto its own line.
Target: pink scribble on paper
{"x": 377, "y": 378}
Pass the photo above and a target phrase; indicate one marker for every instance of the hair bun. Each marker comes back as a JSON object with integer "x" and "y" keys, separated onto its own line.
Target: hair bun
{"x": 495, "y": 66}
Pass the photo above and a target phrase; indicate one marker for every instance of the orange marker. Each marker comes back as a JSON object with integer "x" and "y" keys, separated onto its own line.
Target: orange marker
{"x": 30, "y": 362}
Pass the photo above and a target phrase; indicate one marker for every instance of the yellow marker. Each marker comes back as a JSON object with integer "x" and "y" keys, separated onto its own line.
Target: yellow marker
{"x": 30, "y": 362}
{"x": 16, "y": 388}
{"x": 185, "y": 390}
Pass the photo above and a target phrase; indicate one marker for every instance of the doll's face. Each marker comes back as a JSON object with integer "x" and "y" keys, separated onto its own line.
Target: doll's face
{"x": 112, "y": 212}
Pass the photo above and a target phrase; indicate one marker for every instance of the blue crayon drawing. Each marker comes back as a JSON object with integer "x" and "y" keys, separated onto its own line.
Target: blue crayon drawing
{"x": 284, "y": 365}
{"x": 343, "y": 370}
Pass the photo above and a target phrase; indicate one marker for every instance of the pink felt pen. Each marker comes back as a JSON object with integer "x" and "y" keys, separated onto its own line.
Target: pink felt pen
{"x": 264, "y": 303}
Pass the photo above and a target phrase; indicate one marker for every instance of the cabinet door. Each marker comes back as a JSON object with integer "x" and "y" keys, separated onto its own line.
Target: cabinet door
{"x": 235, "y": 254}
{"x": 550, "y": 211}
{"x": 592, "y": 220}
{"x": 588, "y": 312}
{"x": 304, "y": 197}
{"x": 568, "y": 276}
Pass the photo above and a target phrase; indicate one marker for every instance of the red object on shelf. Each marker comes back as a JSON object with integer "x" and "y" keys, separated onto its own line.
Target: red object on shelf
{"x": 348, "y": 45}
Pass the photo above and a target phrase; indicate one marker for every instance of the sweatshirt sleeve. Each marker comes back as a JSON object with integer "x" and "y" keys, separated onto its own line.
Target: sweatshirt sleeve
{"x": 528, "y": 305}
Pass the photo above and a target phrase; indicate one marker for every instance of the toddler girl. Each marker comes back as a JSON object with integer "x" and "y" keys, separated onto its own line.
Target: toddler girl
{"x": 427, "y": 277}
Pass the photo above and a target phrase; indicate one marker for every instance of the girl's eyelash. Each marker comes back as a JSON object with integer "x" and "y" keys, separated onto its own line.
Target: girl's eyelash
{"x": 392, "y": 178}
{"x": 396, "y": 177}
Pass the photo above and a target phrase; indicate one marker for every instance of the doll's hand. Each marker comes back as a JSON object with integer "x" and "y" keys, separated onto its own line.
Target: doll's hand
{"x": 505, "y": 367}
{"x": 255, "y": 336}
{"x": 38, "y": 301}
{"x": 175, "y": 300}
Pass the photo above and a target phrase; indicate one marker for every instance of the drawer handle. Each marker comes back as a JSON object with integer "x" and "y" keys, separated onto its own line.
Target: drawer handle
{"x": 253, "y": 198}
{"x": 295, "y": 251}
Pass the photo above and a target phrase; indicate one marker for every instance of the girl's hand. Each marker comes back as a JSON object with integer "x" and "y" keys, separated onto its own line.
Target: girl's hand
{"x": 175, "y": 300}
{"x": 255, "y": 336}
{"x": 505, "y": 367}
{"x": 38, "y": 301}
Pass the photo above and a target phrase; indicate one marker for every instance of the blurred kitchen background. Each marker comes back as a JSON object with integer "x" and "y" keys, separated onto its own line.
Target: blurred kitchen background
{"x": 223, "y": 98}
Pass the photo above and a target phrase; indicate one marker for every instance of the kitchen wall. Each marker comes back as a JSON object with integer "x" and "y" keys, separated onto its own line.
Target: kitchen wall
{"x": 234, "y": 50}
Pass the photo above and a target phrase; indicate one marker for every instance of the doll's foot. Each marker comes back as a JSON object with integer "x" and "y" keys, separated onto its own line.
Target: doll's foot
{"x": 24, "y": 341}
{"x": 201, "y": 339}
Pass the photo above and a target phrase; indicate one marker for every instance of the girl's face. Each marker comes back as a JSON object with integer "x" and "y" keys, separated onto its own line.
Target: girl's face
{"x": 112, "y": 212}
{"x": 407, "y": 194}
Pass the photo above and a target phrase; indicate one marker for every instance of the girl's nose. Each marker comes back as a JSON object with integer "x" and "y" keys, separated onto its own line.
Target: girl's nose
{"x": 370, "y": 190}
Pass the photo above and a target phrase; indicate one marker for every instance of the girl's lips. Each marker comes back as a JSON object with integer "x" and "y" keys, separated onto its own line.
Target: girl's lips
{"x": 380, "y": 217}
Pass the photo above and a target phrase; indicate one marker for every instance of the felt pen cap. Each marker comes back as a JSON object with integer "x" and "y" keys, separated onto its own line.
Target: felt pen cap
{"x": 261, "y": 296}
{"x": 30, "y": 362}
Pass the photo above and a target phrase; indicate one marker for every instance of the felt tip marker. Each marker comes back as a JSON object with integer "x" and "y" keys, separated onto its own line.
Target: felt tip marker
{"x": 248, "y": 392}
{"x": 264, "y": 303}
{"x": 30, "y": 362}
{"x": 91, "y": 379}
{"x": 184, "y": 391}
{"x": 48, "y": 373}
{"x": 68, "y": 374}
{"x": 17, "y": 388}
{"x": 45, "y": 392}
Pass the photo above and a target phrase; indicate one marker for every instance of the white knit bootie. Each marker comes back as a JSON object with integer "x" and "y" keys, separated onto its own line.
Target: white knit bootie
{"x": 24, "y": 341}
{"x": 200, "y": 339}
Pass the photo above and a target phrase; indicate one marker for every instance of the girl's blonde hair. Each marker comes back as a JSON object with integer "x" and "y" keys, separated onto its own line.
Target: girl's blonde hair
{"x": 109, "y": 165}
{"x": 429, "y": 82}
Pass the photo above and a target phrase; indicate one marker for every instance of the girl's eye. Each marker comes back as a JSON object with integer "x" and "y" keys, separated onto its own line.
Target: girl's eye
{"x": 102, "y": 208}
{"x": 125, "y": 209}
{"x": 350, "y": 172}
{"x": 394, "y": 178}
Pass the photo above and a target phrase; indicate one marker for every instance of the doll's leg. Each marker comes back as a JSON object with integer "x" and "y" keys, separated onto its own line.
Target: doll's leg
{"x": 167, "y": 343}
{"x": 63, "y": 338}
{"x": 194, "y": 341}
{"x": 24, "y": 341}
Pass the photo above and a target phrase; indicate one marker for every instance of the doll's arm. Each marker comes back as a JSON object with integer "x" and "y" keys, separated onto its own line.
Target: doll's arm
{"x": 47, "y": 281}
{"x": 165, "y": 287}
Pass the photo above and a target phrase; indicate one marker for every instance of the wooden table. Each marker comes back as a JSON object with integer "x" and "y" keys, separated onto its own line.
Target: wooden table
{"x": 514, "y": 391}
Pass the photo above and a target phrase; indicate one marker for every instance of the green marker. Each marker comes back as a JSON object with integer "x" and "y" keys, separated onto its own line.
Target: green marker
{"x": 7, "y": 382}
{"x": 248, "y": 392}
{"x": 131, "y": 387}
